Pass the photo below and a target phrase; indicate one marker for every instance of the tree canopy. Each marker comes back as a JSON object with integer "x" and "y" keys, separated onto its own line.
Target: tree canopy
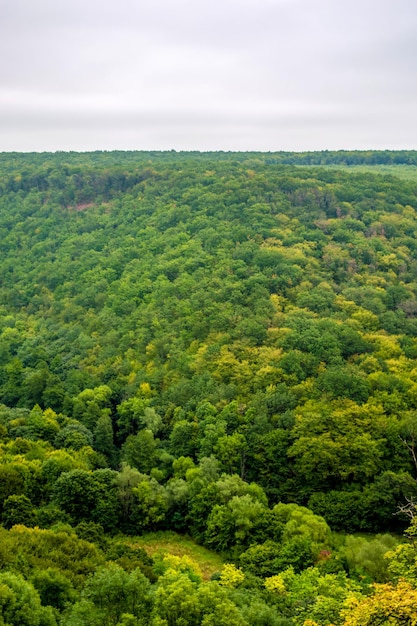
{"x": 221, "y": 345}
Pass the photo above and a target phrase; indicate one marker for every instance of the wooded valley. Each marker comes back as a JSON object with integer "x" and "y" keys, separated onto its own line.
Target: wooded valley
{"x": 215, "y": 346}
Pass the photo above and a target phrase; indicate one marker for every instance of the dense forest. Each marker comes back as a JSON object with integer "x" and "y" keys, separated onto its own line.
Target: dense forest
{"x": 215, "y": 346}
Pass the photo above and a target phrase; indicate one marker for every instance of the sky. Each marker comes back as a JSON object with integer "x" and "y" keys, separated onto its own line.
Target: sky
{"x": 203, "y": 75}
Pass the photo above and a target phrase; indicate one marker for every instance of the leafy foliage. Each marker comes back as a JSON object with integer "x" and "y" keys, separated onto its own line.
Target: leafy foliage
{"x": 219, "y": 344}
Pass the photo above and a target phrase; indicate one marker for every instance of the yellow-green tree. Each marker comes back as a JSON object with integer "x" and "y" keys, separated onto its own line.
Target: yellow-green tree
{"x": 389, "y": 605}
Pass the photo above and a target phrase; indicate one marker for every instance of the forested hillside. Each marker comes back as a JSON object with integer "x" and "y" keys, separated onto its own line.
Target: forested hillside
{"x": 222, "y": 345}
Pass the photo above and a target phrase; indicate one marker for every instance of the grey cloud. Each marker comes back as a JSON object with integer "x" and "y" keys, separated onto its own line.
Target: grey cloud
{"x": 272, "y": 74}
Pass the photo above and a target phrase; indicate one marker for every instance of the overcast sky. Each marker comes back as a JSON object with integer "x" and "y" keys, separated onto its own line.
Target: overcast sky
{"x": 208, "y": 75}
